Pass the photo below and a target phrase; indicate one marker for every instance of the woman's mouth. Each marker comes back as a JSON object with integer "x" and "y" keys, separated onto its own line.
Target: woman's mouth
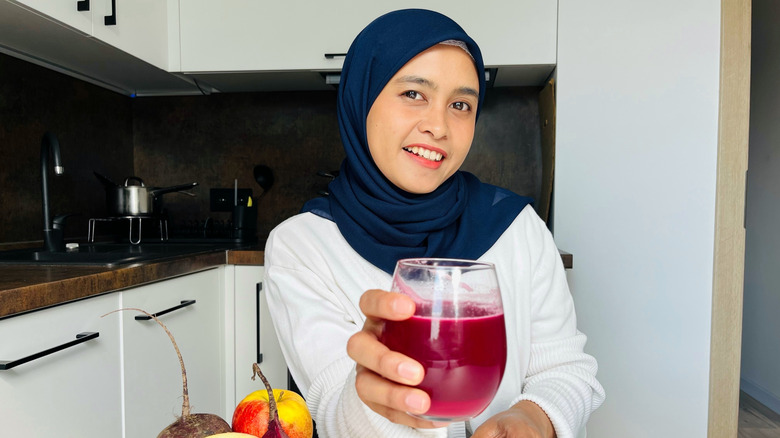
{"x": 425, "y": 153}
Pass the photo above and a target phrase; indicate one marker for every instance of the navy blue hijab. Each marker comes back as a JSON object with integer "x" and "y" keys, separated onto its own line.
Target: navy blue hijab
{"x": 463, "y": 217}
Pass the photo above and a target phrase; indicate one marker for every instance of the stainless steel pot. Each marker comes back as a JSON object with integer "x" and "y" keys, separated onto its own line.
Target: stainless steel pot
{"x": 135, "y": 199}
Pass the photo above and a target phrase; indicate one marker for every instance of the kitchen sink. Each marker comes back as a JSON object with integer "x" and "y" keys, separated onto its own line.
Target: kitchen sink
{"x": 105, "y": 254}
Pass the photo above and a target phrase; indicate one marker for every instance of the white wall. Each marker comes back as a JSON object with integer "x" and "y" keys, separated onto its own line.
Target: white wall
{"x": 761, "y": 302}
{"x": 635, "y": 202}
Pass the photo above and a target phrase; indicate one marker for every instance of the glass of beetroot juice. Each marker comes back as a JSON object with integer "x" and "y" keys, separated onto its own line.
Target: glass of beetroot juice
{"x": 457, "y": 333}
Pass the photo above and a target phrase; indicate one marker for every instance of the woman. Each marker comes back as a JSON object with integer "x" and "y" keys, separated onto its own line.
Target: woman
{"x": 410, "y": 93}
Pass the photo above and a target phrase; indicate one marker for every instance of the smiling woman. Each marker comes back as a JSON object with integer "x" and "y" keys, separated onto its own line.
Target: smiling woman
{"x": 411, "y": 91}
{"x": 421, "y": 126}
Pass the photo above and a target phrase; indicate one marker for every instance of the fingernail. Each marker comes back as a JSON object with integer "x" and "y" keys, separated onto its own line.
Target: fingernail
{"x": 402, "y": 306}
{"x": 409, "y": 371}
{"x": 440, "y": 424}
{"x": 414, "y": 402}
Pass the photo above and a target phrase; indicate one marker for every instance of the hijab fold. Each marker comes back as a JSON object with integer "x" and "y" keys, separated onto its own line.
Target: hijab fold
{"x": 463, "y": 217}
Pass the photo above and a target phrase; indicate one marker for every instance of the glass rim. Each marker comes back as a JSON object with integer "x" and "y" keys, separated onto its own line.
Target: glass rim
{"x": 444, "y": 262}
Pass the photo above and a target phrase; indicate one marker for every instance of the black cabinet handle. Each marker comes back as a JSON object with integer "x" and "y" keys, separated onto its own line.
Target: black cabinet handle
{"x": 110, "y": 20}
{"x": 80, "y": 338}
{"x": 259, "y": 288}
{"x": 82, "y": 5}
{"x": 334, "y": 55}
{"x": 184, "y": 303}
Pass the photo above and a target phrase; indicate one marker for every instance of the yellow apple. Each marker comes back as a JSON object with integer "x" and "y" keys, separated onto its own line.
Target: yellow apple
{"x": 252, "y": 414}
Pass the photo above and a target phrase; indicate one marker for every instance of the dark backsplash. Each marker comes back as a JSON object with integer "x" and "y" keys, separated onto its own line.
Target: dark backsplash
{"x": 95, "y": 132}
{"x": 211, "y": 140}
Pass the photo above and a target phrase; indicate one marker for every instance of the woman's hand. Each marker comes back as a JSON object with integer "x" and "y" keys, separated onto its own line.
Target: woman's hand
{"x": 523, "y": 420}
{"x": 382, "y": 374}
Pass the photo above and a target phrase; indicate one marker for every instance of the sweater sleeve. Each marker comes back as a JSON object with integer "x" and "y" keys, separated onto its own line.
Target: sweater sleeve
{"x": 561, "y": 377}
{"x": 313, "y": 324}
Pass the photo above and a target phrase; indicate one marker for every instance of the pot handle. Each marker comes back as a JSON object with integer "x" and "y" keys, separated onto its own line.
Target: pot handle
{"x": 134, "y": 178}
{"x": 163, "y": 190}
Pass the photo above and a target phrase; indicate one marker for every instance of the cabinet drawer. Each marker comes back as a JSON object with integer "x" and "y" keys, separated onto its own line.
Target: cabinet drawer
{"x": 153, "y": 386}
{"x": 74, "y": 392}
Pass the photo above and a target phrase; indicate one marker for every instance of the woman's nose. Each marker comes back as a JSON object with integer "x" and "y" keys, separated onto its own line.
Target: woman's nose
{"x": 434, "y": 121}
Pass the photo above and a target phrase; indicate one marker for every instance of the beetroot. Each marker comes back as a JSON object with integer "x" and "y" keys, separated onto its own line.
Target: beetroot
{"x": 274, "y": 425}
{"x": 188, "y": 425}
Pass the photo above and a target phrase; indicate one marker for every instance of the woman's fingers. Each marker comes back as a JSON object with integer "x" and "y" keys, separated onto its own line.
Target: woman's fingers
{"x": 385, "y": 378}
{"x": 374, "y": 389}
{"x": 386, "y": 305}
{"x": 391, "y": 400}
{"x": 364, "y": 348}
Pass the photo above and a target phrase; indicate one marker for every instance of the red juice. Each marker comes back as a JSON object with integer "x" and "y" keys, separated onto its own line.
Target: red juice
{"x": 463, "y": 358}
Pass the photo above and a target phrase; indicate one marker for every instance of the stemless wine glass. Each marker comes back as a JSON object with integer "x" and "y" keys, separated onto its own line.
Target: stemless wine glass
{"x": 457, "y": 333}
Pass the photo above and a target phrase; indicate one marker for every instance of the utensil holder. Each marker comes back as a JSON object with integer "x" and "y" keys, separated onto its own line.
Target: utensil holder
{"x": 245, "y": 221}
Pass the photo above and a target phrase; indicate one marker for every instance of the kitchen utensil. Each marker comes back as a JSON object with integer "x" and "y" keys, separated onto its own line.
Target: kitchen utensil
{"x": 264, "y": 177}
{"x": 136, "y": 199}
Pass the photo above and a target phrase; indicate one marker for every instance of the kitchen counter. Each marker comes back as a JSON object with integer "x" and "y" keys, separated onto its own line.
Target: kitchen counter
{"x": 24, "y": 288}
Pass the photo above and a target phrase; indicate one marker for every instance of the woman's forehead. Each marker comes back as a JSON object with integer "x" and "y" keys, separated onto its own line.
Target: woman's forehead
{"x": 436, "y": 64}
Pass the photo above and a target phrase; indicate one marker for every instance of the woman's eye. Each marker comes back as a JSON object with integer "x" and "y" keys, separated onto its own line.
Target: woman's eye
{"x": 461, "y": 106}
{"x": 412, "y": 95}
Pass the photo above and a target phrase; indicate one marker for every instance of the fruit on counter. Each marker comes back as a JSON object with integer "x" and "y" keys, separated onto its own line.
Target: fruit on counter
{"x": 189, "y": 425}
{"x": 272, "y": 413}
{"x": 231, "y": 434}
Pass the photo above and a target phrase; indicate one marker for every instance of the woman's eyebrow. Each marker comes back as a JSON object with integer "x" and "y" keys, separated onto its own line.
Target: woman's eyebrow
{"x": 418, "y": 80}
{"x": 468, "y": 91}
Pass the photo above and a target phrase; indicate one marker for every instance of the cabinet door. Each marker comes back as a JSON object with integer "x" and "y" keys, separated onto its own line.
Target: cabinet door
{"x": 74, "y": 392}
{"x": 246, "y": 35}
{"x": 253, "y": 321}
{"x": 153, "y": 383}
{"x": 140, "y": 29}
{"x": 65, "y": 12}
{"x": 137, "y": 27}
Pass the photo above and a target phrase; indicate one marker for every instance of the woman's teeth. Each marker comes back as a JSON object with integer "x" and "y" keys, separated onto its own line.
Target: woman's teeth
{"x": 425, "y": 153}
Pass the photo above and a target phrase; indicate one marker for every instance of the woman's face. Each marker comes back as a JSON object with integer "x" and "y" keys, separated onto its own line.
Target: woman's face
{"x": 421, "y": 125}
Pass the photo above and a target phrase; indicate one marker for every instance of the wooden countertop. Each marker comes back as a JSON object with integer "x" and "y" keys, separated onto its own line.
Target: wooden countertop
{"x": 24, "y": 288}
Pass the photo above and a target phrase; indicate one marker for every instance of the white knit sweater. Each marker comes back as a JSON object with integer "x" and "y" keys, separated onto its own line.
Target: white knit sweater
{"x": 314, "y": 281}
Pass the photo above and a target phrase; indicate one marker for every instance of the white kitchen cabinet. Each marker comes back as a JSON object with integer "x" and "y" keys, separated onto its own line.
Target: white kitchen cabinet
{"x": 251, "y": 36}
{"x": 138, "y": 27}
{"x": 74, "y": 392}
{"x": 127, "y": 381}
{"x": 152, "y": 374}
{"x": 250, "y": 321}
{"x": 141, "y": 28}
{"x": 130, "y": 58}
{"x": 76, "y": 14}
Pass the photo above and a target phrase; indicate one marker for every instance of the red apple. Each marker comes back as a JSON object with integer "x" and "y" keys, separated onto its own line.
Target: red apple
{"x": 254, "y": 413}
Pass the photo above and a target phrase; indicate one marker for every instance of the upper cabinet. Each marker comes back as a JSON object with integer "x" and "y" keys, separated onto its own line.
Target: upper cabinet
{"x": 77, "y": 13}
{"x": 153, "y": 47}
{"x": 121, "y": 45}
{"x": 301, "y": 36}
{"x": 138, "y": 27}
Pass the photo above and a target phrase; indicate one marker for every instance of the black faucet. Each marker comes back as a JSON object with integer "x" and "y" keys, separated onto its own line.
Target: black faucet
{"x": 53, "y": 239}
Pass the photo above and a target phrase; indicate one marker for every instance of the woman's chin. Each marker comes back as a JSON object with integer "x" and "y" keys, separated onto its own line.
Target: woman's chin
{"x": 419, "y": 188}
